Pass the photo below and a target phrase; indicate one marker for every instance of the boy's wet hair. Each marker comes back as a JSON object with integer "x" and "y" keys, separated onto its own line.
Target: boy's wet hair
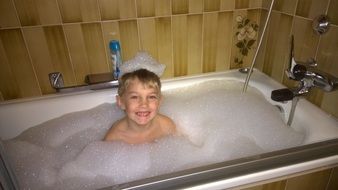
{"x": 147, "y": 78}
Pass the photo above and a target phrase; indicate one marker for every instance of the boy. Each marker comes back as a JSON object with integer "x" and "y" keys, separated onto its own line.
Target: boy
{"x": 139, "y": 95}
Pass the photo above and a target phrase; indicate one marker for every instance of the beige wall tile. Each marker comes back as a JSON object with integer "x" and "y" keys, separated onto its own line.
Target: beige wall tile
{"x": 127, "y": 9}
{"x": 195, "y": 23}
{"x": 279, "y": 185}
{"x": 276, "y": 57}
{"x": 109, "y": 9}
{"x": 8, "y": 17}
{"x": 148, "y": 40}
{"x": 37, "y": 12}
{"x": 244, "y": 37}
{"x": 49, "y": 53}
{"x": 286, "y": 6}
{"x": 227, "y": 5}
{"x": 311, "y": 8}
{"x": 8, "y": 85}
{"x": 210, "y": 42}
{"x": 327, "y": 62}
{"x": 317, "y": 180}
{"x": 79, "y": 10}
{"x": 180, "y": 47}
{"x": 164, "y": 45}
{"x": 95, "y": 50}
{"x": 211, "y": 5}
{"x": 129, "y": 38}
{"x": 333, "y": 183}
{"x": 145, "y": 8}
{"x": 180, "y": 6}
{"x": 305, "y": 40}
{"x": 77, "y": 51}
{"x": 17, "y": 63}
{"x": 332, "y": 12}
{"x": 224, "y": 41}
{"x": 195, "y": 6}
{"x": 162, "y": 7}
{"x": 242, "y": 4}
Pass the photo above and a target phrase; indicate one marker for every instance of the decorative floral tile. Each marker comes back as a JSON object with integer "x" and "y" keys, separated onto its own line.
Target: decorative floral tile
{"x": 245, "y": 37}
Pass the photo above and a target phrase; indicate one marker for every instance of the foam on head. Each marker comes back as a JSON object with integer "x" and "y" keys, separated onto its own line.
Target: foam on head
{"x": 142, "y": 60}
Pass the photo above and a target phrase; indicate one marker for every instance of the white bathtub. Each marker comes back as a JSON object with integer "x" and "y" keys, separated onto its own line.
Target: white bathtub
{"x": 320, "y": 148}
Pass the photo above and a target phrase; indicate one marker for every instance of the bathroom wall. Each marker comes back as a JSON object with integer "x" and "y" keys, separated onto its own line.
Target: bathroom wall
{"x": 296, "y": 17}
{"x": 38, "y": 37}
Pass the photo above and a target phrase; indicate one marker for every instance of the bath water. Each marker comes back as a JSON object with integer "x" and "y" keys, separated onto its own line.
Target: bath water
{"x": 216, "y": 121}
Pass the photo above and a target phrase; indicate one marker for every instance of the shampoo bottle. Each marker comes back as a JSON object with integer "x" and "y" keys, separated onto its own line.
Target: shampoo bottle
{"x": 115, "y": 53}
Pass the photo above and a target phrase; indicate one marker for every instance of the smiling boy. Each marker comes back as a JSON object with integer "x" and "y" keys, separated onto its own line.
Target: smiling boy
{"x": 139, "y": 95}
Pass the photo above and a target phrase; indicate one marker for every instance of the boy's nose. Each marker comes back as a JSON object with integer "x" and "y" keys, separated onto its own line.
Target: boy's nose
{"x": 143, "y": 101}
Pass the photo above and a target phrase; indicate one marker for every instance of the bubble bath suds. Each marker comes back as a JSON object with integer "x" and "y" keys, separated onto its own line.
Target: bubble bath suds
{"x": 217, "y": 121}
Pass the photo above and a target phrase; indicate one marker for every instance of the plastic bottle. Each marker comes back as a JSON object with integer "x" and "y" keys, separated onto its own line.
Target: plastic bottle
{"x": 115, "y": 53}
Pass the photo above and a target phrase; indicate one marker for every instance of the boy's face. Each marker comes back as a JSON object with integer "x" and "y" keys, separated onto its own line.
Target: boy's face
{"x": 140, "y": 103}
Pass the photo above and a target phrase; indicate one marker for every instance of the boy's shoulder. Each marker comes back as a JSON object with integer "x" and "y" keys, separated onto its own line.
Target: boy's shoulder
{"x": 167, "y": 123}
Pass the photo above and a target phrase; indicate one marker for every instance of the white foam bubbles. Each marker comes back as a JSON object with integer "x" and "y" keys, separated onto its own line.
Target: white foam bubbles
{"x": 216, "y": 121}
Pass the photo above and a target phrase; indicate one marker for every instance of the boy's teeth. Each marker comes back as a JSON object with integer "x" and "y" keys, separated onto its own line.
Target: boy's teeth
{"x": 142, "y": 113}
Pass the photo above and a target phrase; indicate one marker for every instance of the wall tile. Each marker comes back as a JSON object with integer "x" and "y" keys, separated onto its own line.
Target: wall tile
{"x": 77, "y": 51}
{"x": 37, "y": 12}
{"x": 333, "y": 183}
{"x": 286, "y": 6}
{"x": 194, "y": 60}
{"x": 179, "y": 30}
{"x": 47, "y": 47}
{"x": 95, "y": 49}
{"x": 244, "y": 38}
{"x": 211, "y": 5}
{"x": 305, "y": 40}
{"x": 8, "y": 17}
{"x": 162, "y": 7}
{"x": 195, "y": 6}
{"x": 147, "y": 32}
{"x": 332, "y": 12}
{"x": 209, "y": 42}
{"x": 242, "y": 4}
{"x": 279, "y": 185}
{"x": 79, "y": 10}
{"x": 311, "y": 8}
{"x": 129, "y": 38}
{"x": 145, "y": 8}
{"x": 276, "y": 56}
{"x": 109, "y": 9}
{"x": 327, "y": 62}
{"x": 224, "y": 42}
{"x": 317, "y": 180}
{"x": 227, "y": 4}
{"x": 164, "y": 45}
{"x": 127, "y": 9}
{"x": 180, "y": 6}
{"x": 16, "y": 67}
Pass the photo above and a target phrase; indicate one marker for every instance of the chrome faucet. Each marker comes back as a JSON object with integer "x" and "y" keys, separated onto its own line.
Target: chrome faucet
{"x": 309, "y": 76}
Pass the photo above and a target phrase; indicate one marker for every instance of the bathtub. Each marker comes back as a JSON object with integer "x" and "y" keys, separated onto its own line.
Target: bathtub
{"x": 319, "y": 151}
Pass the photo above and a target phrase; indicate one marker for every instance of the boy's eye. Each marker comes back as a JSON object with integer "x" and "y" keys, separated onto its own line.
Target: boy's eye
{"x": 153, "y": 97}
{"x": 133, "y": 97}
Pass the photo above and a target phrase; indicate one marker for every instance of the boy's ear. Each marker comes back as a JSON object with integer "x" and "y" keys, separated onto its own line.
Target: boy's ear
{"x": 120, "y": 102}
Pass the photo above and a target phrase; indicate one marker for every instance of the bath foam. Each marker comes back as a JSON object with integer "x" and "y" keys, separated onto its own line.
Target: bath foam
{"x": 216, "y": 121}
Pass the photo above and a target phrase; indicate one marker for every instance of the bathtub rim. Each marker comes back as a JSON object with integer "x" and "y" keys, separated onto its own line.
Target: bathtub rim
{"x": 50, "y": 107}
{"x": 245, "y": 171}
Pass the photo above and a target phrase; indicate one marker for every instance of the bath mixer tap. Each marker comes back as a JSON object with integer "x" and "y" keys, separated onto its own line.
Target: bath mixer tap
{"x": 309, "y": 76}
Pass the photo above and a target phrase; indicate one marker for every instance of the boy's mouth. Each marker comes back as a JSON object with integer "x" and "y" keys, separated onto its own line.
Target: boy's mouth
{"x": 143, "y": 113}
